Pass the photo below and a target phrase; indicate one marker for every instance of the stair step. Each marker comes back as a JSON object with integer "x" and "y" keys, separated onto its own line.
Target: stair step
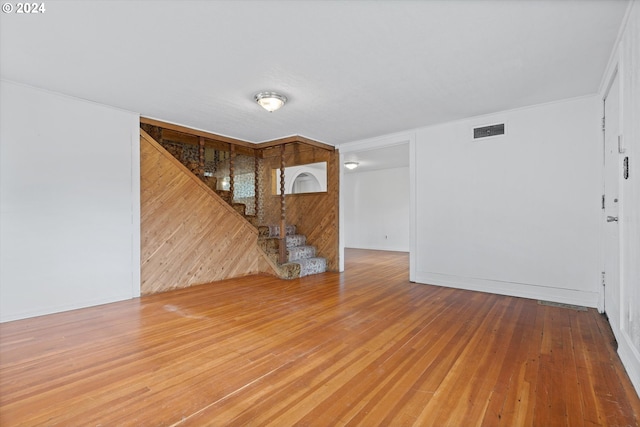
{"x": 310, "y": 266}
{"x": 301, "y": 252}
{"x": 253, "y": 220}
{"x": 295, "y": 240}
{"x": 273, "y": 243}
{"x": 290, "y": 270}
{"x": 225, "y": 195}
{"x": 302, "y": 259}
{"x": 274, "y": 230}
{"x": 241, "y": 208}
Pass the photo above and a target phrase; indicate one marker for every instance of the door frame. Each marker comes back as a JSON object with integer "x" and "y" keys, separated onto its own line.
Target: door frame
{"x": 372, "y": 144}
{"x": 602, "y": 305}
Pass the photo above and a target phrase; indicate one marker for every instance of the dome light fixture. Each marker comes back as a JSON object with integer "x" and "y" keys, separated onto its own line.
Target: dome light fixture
{"x": 351, "y": 165}
{"x": 270, "y": 101}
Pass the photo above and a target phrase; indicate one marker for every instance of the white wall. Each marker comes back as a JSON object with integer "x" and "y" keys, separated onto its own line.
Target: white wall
{"x": 516, "y": 214}
{"x": 69, "y": 203}
{"x": 376, "y": 209}
{"x": 626, "y": 324}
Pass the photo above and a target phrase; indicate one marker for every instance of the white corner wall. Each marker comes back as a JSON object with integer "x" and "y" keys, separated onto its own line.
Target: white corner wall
{"x": 69, "y": 203}
{"x": 376, "y": 209}
{"x": 516, "y": 214}
{"x": 626, "y": 61}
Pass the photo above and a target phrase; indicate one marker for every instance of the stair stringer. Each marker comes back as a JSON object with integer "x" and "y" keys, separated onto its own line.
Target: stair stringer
{"x": 189, "y": 235}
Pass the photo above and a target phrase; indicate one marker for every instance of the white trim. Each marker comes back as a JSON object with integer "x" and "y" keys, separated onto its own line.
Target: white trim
{"x": 413, "y": 210}
{"x": 136, "y": 220}
{"x": 341, "y": 213}
{"x": 522, "y": 290}
{"x": 378, "y": 248}
{"x": 612, "y": 77}
{"x": 628, "y": 352}
{"x": 70, "y": 97}
{"x": 613, "y": 57}
{"x": 372, "y": 144}
{"x": 629, "y": 356}
{"x": 602, "y": 232}
{"x": 65, "y": 307}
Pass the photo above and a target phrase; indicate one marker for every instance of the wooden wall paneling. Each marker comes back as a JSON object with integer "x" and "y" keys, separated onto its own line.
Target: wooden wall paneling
{"x": 185, "y": 130}
{"x": 181, "y": 137}
{"x": 294, "y": 139}
{"x": 316, "y": 215}
{"x": 189, "y": 235}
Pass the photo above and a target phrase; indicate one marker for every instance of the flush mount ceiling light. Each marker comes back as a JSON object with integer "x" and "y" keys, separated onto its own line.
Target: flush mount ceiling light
{"x": 351, "y": 165}
{"x": 270, "y": 101}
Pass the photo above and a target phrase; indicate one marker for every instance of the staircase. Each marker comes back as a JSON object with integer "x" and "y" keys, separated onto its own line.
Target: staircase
{"x": 301, "y": 258}
{"x": 226, "y": 168}
{"x": 225, "y": 195}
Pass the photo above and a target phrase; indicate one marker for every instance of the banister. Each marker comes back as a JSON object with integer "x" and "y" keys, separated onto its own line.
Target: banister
{"x": 232, "y": 174}
{"x": 201, "y": 157}
{"x": 283, "y": 226}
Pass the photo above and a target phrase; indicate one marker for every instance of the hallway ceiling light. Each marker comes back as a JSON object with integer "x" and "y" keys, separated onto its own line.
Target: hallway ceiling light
{"x": 351, "y": 165}
{"x": 270, "y": 101}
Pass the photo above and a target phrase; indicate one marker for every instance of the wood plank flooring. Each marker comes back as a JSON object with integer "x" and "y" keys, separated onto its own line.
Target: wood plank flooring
{"x": 366, "y": 348}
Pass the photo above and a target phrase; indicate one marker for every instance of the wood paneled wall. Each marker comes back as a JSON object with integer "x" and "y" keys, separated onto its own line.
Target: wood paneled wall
{"x": 189, "y": 235}
{"x": 314, "y": 214}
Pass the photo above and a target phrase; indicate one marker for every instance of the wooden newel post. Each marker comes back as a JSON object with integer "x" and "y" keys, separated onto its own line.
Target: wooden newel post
{"x": 256, "y": 184}
{"x": 232, "y": 185}
{"x": 201, "y": 157}
{"x": 283, "y": 225}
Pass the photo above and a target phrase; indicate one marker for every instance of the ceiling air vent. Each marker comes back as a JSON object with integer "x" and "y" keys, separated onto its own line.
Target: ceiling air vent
{"x": 485, "y": 131}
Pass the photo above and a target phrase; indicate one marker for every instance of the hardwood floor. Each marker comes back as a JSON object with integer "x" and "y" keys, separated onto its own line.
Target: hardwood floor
{"x": 366, "y": 347}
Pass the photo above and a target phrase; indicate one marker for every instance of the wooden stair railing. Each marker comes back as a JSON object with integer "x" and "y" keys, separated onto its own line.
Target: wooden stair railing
{"x": 256, "y": 186}
{"x": 201, "y": 157}
{"x": 283, "y": 223}
{"x": 232, "y": 180}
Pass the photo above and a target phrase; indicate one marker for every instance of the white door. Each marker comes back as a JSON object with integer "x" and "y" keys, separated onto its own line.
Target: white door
{"x": 611, "y": 203}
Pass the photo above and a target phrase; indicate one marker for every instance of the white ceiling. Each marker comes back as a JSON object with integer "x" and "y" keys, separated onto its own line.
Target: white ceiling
{"x": 351, "y": 69}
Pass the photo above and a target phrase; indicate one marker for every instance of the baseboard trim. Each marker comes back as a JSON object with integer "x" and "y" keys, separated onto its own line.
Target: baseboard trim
{"x": 379, "y": 248}
{"x": 522, "y": 290}
{"x": 77, "y": 305}
{"x": 630, "y": 358}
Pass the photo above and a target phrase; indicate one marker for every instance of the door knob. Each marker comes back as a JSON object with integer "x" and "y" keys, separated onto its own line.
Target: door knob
{"x": 612, "y": 219}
